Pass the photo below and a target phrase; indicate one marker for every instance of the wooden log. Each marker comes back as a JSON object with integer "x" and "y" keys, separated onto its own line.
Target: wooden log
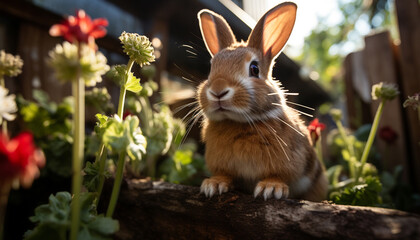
{"x": 158, "y": 210}
{"x": 408, "y": 14}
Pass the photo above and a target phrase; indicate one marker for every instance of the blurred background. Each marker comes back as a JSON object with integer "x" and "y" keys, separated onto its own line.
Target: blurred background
{"x": 337, "y": 51}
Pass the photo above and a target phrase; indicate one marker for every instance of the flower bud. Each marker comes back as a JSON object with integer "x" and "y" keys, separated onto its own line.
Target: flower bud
{"x": 336, "y": 114}
{"x": 10, "y": 65}
{"x": 384, "y": 91}
{"x": 138, "y": 48}
{"x": 413, "y": 101}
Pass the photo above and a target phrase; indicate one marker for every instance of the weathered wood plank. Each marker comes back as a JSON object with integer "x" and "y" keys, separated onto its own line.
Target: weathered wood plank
{"x": 381, "y": 66}
{"x": 408, "y": 14}
{"x": 157, "y": 210}
{"x": 357, "y": 90}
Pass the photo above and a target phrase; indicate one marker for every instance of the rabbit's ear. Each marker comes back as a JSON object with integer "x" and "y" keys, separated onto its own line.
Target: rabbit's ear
{"x": 215, "y": 30}
{"x": 273, "y": 30}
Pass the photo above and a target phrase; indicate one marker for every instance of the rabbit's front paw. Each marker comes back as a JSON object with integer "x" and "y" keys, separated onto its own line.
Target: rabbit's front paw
{"x": 271, "y": 188}
{"x": 215, "y": 184}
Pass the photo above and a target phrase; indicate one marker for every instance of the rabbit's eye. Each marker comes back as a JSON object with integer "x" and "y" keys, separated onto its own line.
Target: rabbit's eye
{"x": 254, "y": 69}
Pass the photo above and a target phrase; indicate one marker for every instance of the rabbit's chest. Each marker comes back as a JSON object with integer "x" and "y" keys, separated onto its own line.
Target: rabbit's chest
{"x": 248, "y": 154}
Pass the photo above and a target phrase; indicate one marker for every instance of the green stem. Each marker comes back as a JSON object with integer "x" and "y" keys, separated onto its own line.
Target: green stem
{"x": 349, "y": 147}
{"x": 371, "y": 137}
{"x": 345, "y": 138}
{"x": 78, "y": 88}
{"x": 318, "y": 147}
{"x": 117, "y": 185}
{"x": 4, "y": 196}
{"x": 123, "y": 89}
{"x": 121, "y": 159}
{"x": 102, "y": 158}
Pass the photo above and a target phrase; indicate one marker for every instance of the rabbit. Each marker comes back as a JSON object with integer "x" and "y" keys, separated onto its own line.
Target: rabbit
{"x": 251, "y": 136}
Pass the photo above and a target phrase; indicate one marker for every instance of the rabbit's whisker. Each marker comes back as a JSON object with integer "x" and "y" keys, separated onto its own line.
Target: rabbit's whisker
{"x": 193, "y": 53}
{"x": 300, "y": 105}
{"x": 176, "y": 110}
{"x": 274, "y": 132}
{"x": 287, "y": 124}
{"x": 263, "y": 138}
{"x": 294, "y": 109}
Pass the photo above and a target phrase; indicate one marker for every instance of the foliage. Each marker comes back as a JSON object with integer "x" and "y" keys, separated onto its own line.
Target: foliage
{"x": 366, "y": 194}
{"x": 54, "y": 137}
{"x": 361, "y": 185}
{"x": 100, "y": 99}
{"x": 324, "y": 49}
{"x": 125, "y": 136}
{"x": 53, "y": 220}
{"x": 184, "y": 166}
{"x": 91, "y": 178}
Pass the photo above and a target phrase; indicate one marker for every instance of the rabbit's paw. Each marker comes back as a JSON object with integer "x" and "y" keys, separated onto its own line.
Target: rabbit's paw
{"x": 212, "y": 185}
{"x": 271, "y": 188}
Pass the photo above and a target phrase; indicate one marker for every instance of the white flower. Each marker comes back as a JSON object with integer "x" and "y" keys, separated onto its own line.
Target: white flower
{"x": 7, "y": 105}
{"x": 64, "y": 59}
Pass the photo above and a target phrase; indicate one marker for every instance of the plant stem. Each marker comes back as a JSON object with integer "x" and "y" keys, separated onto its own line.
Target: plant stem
{"x": 349, "y": 146}
{"x": 102, "y": 163}
{"x": 318, "y": 147}
{"x": 123, "y": 89}
{"x": 121, "y": 158}
{"x": 345, "y": 138}
{"x": 78, "y": 88}
{"x": 371, "y": 137}
{"x": 4, "y": 196}
{"x": 117, "y": 185}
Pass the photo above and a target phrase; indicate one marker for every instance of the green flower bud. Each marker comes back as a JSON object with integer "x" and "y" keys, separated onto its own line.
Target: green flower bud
{"x": 336, "y": 114}
{"x": 64, "y": 59}
{"x": 138, "y": 48}
{"x": 10, "y": 65}
{"x": 384, "y": 91}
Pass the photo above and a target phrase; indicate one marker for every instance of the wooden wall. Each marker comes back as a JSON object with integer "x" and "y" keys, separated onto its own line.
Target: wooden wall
{"x": 382, "y": 60}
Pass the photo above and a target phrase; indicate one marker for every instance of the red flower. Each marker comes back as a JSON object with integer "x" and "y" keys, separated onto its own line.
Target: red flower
{"x": 388, "y": 134}
{"x": 315, "y": 128}
{"x": 20, "y": 159}
{"x": 80, "y": 28}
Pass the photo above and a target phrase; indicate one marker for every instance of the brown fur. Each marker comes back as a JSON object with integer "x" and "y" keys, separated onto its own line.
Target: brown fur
{"x": 248, "y": 138}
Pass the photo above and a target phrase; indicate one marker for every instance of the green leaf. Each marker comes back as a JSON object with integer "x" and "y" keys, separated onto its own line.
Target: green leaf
{"x": 133, "y": 83}
{"x": 43, "y": 99}
{"x": 104, "y": 225}
{"x": 125, "y": 136}
{"x": 365, "y": 194}
{"x": 54, "y": 221}
{"x": 117, "y": 73}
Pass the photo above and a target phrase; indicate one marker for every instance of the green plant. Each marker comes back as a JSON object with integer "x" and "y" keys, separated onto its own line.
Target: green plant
{"x": 53, "y": 219}
{"x": 361, "y": 185}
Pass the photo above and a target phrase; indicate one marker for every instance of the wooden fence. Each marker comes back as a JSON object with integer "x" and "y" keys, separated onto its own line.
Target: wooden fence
{"x": 385, "y": 60}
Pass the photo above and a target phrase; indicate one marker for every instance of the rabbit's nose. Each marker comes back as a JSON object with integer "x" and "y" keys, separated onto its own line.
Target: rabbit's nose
{"x": 220, "y": 94}
{"x": 223, "y": 94}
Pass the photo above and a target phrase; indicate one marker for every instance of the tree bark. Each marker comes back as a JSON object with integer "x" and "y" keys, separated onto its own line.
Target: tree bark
{"x": 158, "y": 210}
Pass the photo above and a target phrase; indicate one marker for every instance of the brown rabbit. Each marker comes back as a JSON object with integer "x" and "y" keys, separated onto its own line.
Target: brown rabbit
{"x": 252, "y": 137}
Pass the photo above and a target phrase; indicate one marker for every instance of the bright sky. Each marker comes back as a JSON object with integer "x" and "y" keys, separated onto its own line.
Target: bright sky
{"x": 307, "y": 19}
